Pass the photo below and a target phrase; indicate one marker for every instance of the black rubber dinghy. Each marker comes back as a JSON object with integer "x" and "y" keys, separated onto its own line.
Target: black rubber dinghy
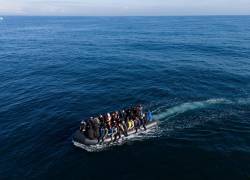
{"x": 80, "y": 139}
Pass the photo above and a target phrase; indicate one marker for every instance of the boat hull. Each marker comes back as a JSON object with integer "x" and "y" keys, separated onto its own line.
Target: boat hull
{"x": 80, "y": 139}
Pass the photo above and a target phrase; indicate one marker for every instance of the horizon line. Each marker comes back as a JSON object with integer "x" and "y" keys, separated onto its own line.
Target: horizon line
{"x": 123, "y": 15}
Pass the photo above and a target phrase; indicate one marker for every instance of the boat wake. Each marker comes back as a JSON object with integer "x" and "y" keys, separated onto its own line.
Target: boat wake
{"x": 182, "y": 108}
{"x": 166, "y": 113}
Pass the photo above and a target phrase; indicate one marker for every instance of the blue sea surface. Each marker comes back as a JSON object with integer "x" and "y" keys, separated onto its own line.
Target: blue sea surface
{"x": 192, "y": 72}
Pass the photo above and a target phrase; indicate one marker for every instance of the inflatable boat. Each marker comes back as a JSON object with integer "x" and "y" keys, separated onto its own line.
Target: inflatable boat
{"x": 79, "y": 139}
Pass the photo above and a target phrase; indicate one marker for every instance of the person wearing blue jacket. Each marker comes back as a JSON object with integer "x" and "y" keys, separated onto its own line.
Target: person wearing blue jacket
{"x": 149, "y": 116}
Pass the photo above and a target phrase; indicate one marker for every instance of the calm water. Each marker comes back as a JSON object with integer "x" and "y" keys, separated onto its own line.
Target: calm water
{"x": 193, "y": 72}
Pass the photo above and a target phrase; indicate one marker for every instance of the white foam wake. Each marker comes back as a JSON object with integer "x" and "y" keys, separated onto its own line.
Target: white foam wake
{"x": 243, "y": 101}
{"x": 190, "y": 106}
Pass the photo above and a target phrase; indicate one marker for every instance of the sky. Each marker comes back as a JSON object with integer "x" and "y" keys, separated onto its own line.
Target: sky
{"x": 124, "y": 7}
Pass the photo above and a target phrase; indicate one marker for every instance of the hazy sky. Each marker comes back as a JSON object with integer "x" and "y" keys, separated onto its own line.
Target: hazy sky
{"x": 124, "y": 7}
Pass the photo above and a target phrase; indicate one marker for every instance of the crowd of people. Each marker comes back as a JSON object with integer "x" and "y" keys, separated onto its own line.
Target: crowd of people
{"x": 116, "y": 123}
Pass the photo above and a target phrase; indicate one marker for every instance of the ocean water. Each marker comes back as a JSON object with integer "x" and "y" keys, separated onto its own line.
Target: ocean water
{"x": 192, "y": 72}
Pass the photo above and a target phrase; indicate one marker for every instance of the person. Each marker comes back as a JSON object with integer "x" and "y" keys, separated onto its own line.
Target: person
{"x": 149, "y": 116}
{"x": 130, "y": 124}
{"x": 108, "y": 119}
{"x": 89, "y": 133}
{"x": 95, "y": 125}
{"x": 101, "y": 119}
{"x": 119, "y": 123}
{"x": 105, "y": 133}
{"x": 140, "y": 110}
{"x": 121, "y": 128}
{"x": 130, "y": 113}
{"x": 122, "y": 114}
{"x": 127, "y": 113}
{"x": 110, "y": 132}
{"x": 116, "y": 132}
{"x": 143, "y": 121}
{"x": 124, "y": 123}
{"x": 83, "y": 126}
{"x": 101, "y": 134}
{"x": 137, "y": 124}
